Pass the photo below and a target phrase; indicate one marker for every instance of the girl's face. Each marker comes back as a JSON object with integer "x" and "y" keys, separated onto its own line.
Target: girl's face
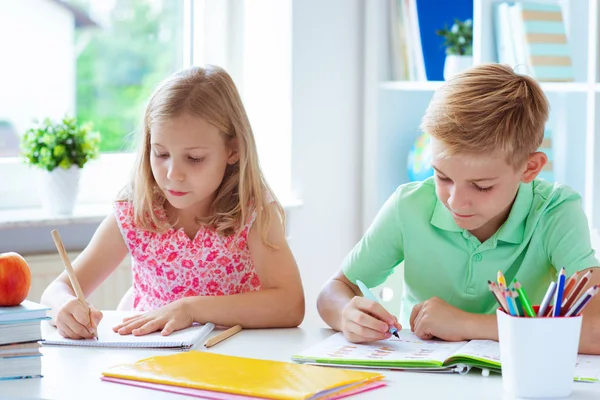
{"x": 188, "y": 157}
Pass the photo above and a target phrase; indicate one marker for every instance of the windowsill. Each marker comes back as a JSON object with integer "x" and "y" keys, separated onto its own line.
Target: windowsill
{"x": 83, "y": 214}
{"x": 38, "y": 217}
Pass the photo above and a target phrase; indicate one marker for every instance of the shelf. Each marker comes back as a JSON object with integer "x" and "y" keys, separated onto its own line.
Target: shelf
{"x": 416, "y": 86}
{"x": 429, "y": 86}
{"x": 565, "y": 87}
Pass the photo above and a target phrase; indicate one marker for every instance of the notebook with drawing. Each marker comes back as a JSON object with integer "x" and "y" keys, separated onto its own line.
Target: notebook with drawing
{"x": 410, "y": 352}
{"x": 184, "y": 339}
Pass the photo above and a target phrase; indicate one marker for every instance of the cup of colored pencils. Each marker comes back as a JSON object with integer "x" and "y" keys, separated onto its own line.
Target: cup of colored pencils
{"x": 539, "y": 343}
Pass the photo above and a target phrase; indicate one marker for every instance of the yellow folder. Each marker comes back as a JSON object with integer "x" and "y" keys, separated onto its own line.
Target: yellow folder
{"x": 243, "y": 376}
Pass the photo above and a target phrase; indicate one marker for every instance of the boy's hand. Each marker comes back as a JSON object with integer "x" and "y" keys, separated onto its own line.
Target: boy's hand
{"x": 436, "y": 318}
{"x": 167, "y": 319}
{"x": 364, "y": 320}
{"x": 73, "y": 320}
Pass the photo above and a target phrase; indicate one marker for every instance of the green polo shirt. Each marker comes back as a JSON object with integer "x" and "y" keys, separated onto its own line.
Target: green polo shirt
{"x": 545, "y": 230}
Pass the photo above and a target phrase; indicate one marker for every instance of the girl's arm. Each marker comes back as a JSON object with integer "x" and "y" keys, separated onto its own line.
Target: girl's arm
{"x": 96, "y": 262}
{"x": 279, "y": 303}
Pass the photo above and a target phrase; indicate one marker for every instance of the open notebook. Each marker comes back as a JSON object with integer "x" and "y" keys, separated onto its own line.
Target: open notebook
{"x": 184, "y": 339}
{"x": 411, "y": 352}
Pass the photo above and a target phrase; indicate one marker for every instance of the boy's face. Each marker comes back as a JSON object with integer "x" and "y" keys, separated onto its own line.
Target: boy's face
{"x": 477, "y": 189}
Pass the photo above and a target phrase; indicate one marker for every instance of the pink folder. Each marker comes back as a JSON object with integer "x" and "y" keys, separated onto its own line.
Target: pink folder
{"x": 207, "y": 394}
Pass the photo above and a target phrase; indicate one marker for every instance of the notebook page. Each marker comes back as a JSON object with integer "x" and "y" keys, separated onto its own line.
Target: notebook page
{"x": 407, "y": 350}
{"x": 483, "y": 350}
{"x": 587, "y": 368}
{"x": 185, "y": 338}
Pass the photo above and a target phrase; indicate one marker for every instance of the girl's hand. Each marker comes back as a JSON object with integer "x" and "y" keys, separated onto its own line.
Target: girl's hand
{"x": 364, "y": 320}
{"x": 436, "y": 318}
{"x": 167, "y": 319}
{"x": 73, "y": 320}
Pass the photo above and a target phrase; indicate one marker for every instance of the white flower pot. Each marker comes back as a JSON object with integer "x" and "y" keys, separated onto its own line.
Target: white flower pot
{"x": 58, "y": 190}
{"x": 455, "y": 64}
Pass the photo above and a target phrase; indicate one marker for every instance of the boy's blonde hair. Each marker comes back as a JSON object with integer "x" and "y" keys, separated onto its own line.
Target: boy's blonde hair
{"x": 209, "y": 93}
{"x": 488, "y": 108}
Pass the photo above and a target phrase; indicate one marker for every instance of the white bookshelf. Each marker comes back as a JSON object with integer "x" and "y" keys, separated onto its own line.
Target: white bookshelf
{"x": 393, "y": 109}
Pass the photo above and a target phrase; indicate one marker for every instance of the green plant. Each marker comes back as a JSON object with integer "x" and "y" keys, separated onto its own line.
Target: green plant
{"x": 458, "y": 40}
{"x": 51, "y": 145}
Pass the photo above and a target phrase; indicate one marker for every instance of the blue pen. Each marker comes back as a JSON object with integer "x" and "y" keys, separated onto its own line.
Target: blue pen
{"x": 369, "y": 295}
{"x": 560, "y": 287}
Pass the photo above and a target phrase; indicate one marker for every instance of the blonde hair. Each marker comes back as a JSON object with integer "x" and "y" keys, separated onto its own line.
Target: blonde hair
{"x": 487, "y": 108}
{"x": 209, "y": 93}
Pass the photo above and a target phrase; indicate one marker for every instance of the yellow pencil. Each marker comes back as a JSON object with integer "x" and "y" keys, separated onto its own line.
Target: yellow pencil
{"x": 72, "y": 277}
{"x": 501, "y": 280}
{"x": 222, "y": 336}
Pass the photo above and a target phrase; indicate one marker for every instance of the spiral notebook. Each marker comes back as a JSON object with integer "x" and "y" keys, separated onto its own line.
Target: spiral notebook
{"x": 183, "y": 340}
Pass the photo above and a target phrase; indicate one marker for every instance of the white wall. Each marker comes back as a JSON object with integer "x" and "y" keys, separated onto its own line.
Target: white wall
{"x": 327, "y": 58}
{"x": 37, "y": 61}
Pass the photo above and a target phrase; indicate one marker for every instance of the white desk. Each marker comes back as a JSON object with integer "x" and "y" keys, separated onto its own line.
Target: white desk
{"x": 74, "y": 373}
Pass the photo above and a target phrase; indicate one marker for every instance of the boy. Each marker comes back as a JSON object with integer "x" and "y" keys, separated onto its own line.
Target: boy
{"x": 482, "y": 212}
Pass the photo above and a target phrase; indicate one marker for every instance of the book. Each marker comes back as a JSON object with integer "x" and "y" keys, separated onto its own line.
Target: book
{"x": 183, "y": 339}
{"x": 20, "y": 332}
{"x": 243, "y": 376}
{"x": 21, "y": 367}
{"x": 411, "y": 352}
{"x": 20, "y": 349}
{"x": 540, "y": 40}
{"x": 27, "y": 310}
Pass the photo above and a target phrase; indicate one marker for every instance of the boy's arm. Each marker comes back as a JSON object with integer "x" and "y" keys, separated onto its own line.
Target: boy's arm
{"x": 590, "y": 326}
{"x": 568, "y": 245}
{"x": 372, "y": 260}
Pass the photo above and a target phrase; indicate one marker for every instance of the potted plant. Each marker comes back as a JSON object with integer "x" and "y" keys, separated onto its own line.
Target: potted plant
{"x": 60, "y": 149}
{"x": 458, "y": 41}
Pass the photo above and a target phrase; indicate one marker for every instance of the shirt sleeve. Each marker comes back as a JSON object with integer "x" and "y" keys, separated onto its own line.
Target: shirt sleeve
{"x": 381, "y": 248}
{"x": 567, "y": 237}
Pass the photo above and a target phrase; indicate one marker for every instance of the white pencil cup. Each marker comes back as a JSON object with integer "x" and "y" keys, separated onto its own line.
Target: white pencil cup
{"x": 538, "y": 355}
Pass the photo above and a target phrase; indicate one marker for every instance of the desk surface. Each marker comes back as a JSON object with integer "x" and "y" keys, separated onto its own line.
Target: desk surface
{"x": 74, "y": 373}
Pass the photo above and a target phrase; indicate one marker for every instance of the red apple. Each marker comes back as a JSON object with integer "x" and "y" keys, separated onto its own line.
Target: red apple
{"x": 15, "y": 279}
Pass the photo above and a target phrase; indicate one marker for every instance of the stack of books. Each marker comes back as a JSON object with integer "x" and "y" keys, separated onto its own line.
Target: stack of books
{"x": 20, "y": 333}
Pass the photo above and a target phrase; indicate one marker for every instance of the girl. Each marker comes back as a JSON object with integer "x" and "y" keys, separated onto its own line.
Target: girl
{"x": 204, "y": 232}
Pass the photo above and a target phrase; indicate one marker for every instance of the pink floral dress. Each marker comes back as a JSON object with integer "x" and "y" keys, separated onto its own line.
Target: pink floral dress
{"x": 169, "y": 266}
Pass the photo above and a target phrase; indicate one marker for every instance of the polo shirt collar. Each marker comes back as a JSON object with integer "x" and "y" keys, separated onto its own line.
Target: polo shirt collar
{"x": 513, "y": 229}
{"x": 442, "y": 218}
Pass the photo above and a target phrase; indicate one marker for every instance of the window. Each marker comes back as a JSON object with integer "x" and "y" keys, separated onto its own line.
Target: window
{"x": 100, "y": 60}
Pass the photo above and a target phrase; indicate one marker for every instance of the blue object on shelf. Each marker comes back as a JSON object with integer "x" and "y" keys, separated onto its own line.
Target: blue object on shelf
{"x": 419, "y": 159}
{"x": 433, "y": 15}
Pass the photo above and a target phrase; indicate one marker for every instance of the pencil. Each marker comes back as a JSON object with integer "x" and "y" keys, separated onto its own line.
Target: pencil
{"x": 501, "y": 279}
{"x": 517, "y": 298}
{"x": 512, "y": 307}
{"x": 524, "y": 300}
{"x": 582, "y": 302}
{"x": 222, "y": 336}
{"x": 72, "y": 277}
{"x": 580, "y": 285}
{"x": 569, "y": 286}
{"x": 498, "y": 295}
